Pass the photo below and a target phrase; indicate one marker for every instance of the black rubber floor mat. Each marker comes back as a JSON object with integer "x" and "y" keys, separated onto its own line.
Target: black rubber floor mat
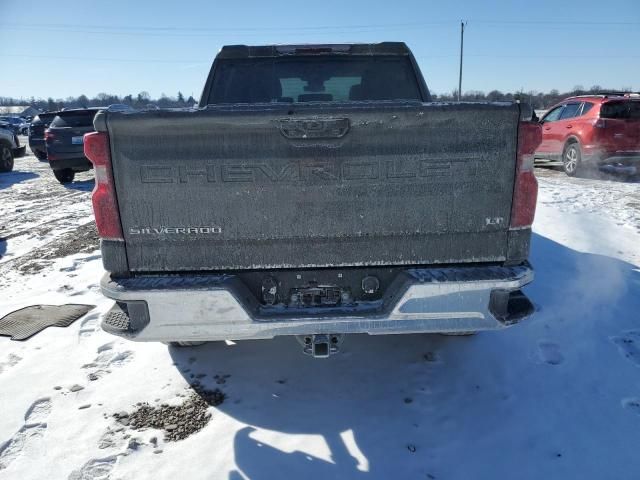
{"x": 28, "y": 321}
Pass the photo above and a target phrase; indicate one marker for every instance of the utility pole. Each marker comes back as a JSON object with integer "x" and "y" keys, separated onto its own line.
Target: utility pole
{"x": 462, "y": 25}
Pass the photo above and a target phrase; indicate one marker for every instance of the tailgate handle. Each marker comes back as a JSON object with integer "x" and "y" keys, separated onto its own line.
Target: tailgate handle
{"x": 314, "y": 128}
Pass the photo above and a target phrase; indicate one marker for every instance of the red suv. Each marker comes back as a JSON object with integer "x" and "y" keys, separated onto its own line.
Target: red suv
{"x": 597, "y": 131}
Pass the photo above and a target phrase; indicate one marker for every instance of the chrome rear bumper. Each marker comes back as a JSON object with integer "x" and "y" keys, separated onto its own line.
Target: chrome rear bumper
{"x": 217, "y": 307}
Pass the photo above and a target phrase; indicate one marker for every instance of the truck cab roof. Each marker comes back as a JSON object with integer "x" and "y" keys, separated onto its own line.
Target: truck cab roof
{"x": 247, "y": 51}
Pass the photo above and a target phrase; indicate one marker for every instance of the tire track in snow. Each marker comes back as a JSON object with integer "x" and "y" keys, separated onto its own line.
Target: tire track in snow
{"x": 38, "y": 210}
{"x": 597, "y": 195}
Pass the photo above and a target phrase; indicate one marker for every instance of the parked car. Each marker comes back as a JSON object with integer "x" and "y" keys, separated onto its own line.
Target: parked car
{"x": 64, "y": 142}
{"x": 18, "y": 125}
{"x": 120, "y": 107}
{"x": 9, "y": 149}
{"x": 316, "y": 192}
{"x": 36, "y": 134}
{"x": 6, "y": 125}
{"x": 592, "y": 131}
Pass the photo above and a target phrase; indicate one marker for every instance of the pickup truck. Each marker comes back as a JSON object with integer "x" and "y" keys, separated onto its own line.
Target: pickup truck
{"x": 316, "y": 191}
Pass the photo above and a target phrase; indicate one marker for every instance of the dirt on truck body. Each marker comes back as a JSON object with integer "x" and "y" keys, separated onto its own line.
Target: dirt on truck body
{"x": 317, "y": 191}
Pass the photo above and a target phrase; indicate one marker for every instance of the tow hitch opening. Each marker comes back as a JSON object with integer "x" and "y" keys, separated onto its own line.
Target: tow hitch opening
{"x": 321, "y": 345}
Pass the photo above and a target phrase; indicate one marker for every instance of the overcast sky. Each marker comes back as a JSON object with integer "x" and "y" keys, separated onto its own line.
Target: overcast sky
{"x": 66, "y": 48}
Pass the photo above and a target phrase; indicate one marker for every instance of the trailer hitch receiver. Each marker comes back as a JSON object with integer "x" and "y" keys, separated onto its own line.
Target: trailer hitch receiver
{"x": 321, "y": 345}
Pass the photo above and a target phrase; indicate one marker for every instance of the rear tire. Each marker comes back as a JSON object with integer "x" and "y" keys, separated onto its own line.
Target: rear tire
{"x": 40, "y": 155}
{"x": 458, "y": 334}
{"x": 572, "y": 159}
{"x": 186, "y": 344}
{"x": 6, "y": 158}
{"x": 64, "y": 175}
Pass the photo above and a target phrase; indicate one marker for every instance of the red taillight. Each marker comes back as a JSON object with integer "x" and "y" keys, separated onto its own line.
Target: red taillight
{"x": 48, "y": 135}
{"x": 525, "y": 192}
{"x": 105, "y": 205}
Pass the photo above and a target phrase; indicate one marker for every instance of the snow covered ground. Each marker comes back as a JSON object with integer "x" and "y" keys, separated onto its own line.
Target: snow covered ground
{"x": 556, "y": 397}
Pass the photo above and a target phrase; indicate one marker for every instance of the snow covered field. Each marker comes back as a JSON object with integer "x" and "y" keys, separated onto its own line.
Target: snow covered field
{"x": 556, "y": 397}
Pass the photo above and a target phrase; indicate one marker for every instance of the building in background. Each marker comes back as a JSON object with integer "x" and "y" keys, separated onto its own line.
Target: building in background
{"x": 19, "y": 111}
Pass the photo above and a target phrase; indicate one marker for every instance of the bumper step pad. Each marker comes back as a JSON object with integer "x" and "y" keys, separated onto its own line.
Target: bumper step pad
{"x": 119, "y": 321}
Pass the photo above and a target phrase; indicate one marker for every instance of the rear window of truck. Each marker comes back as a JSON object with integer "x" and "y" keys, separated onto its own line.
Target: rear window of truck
{"x": 621, "y": 110}
{"x": 313, "y": 79}
{"x": 74, "y": 119}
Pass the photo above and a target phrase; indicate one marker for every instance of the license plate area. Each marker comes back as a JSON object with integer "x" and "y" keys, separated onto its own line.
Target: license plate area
{"x": 77, "y": 140}
{"x": 319, "y": 296}
{"x": 307, "y": 293}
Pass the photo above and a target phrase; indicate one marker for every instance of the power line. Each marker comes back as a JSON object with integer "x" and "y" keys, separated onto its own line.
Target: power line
{"x": 209, "y": 30}
{"x": 198, "y": 31}
{"x": 527, "y": 56}
{"x": 207, "y": 61}
{"x": 221, "y": 33}
{"x": 103, "y": 59}
{"x": 319, "y": 27}
{"x": 138, "y": 60}
{"x": 563, "y": 23}
{"x": 217, "y": 29}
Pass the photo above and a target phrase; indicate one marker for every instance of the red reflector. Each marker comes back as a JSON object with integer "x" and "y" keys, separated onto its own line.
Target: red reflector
{"x": 105, "y": 205}
{"x": 96, "y": 148}
{"x": 525, "y": 192}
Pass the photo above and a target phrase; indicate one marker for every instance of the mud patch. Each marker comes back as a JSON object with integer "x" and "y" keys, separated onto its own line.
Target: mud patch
{"x": 82, "y": 240}
{"x": 177, "y": 421}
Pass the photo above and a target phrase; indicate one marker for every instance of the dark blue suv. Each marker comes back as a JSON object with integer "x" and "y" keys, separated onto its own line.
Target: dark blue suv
{"x": 64, "y": 140}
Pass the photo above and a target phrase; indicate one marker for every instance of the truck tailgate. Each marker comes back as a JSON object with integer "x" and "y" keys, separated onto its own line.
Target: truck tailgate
{"x": 278, "y": 186}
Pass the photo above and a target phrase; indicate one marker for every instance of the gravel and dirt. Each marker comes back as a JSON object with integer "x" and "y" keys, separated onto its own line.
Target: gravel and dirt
{"x": 83, "y": 239}
{"x": 177, "y": 421}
